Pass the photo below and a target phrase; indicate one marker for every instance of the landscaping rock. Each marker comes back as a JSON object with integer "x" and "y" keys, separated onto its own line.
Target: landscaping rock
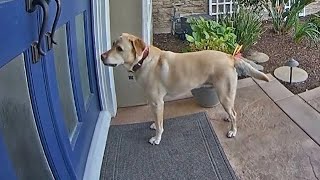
{"x": 258, "y": 57}
{"x": 298, "y": 74}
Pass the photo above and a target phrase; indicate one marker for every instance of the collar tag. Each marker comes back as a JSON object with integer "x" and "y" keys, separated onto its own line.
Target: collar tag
{"x": 131, "y": 76}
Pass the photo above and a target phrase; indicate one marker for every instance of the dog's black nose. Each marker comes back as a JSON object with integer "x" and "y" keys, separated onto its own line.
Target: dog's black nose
{"x": 103, "y": 56}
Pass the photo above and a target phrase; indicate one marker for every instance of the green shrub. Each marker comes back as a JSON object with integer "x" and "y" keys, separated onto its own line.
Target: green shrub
{"x": 247, "y": 22}
{"x": 210, "y": 35}
{"x": 284, "y": 20}
{"x": 307, "y": 30}
{"x": 315, "y": 19}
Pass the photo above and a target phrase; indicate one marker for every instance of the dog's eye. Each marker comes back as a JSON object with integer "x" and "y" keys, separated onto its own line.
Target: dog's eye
{"x": 119, "y": 49}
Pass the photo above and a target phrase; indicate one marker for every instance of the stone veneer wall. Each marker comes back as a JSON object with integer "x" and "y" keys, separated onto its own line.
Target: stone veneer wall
{"x": 163, "y": 10}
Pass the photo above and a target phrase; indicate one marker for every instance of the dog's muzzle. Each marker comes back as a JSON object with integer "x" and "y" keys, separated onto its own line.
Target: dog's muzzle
{"x": 103, "y": 58}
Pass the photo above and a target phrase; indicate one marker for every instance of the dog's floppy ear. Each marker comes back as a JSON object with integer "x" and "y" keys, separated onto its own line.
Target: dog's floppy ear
{"x": 138, "y": 46}
{"x": 137, "y": 43}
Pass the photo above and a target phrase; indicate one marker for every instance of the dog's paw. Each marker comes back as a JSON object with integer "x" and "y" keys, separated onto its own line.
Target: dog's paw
{"x": 154, "y": 141}
{"x": 232, "y": 133}
{"x": 153, "y": 126}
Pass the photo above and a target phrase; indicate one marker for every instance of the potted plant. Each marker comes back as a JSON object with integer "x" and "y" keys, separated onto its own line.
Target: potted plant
{"x": 209, "y": 35}
{"x": 206, "y": 96}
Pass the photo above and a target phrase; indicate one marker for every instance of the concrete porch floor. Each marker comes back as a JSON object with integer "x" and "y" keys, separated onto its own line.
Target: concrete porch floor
{"x": 278, "y": 132}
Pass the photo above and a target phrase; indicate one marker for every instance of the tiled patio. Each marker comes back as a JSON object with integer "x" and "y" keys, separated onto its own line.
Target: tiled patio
{"x": 278, "y": 132}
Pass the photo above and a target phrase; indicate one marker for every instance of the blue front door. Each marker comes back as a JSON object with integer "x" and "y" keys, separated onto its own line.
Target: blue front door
{"x": 71, "y": 80}
{"x": 49, "y": 103}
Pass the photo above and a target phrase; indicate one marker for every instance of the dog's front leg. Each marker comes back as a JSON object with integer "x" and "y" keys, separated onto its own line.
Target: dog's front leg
{"x": 157, "y": 109}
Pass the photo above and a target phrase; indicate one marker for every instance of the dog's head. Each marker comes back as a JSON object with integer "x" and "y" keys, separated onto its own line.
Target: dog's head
{"x": 127, "y": 50}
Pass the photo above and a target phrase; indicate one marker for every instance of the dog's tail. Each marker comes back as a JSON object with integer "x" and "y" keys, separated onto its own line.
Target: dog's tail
{"x": 242, "y": 65}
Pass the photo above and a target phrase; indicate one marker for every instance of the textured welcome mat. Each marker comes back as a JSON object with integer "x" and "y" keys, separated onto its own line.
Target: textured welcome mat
{"x": 189, "y": 149}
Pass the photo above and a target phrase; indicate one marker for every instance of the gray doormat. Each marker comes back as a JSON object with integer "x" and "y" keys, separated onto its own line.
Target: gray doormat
{"x": 189, "y": 149}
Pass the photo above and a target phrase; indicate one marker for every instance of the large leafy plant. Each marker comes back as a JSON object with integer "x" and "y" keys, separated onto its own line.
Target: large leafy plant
{"x": 310, "y": 30}
{"x": 315, "y": 19}
{"x": 210, "y": 35}
{"x": 247, "y": 22}
{"x": 284, "y": 19}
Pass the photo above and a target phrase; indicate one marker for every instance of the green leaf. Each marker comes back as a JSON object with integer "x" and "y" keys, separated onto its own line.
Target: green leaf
{"x": 207, "y": 36}
{"x": 189, "y": 38}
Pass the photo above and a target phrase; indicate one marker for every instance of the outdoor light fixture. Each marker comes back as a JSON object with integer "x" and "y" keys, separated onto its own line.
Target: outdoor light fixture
{"x": 292, "y": 63}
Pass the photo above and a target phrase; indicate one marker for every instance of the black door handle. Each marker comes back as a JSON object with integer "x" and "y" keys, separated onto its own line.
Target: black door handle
{"x": 31, "y": 7}
{"x": 58, "y": 12}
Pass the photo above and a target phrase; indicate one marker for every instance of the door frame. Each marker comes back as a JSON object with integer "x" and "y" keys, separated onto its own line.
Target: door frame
{"x": 102, "y": 41}
{"x": 147, "y": 21}
{"x": 106, "y": 87}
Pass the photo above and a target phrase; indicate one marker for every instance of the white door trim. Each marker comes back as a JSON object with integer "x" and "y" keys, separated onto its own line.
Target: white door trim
{"x": 97, "y": 147}
{"x": 107, "y": 94}
{"x": 147, "y": 20}
{"x": 102, "y": 39}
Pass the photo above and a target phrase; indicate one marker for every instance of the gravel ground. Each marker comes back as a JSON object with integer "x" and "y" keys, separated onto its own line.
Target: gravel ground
{"x": 279, "y": 48}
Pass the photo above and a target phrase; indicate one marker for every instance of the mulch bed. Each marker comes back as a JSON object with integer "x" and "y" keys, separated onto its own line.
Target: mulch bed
{"x": 280, "y": 48}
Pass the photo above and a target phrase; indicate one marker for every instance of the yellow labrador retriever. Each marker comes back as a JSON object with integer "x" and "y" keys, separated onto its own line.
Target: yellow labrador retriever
{"x": 163, "y": 73}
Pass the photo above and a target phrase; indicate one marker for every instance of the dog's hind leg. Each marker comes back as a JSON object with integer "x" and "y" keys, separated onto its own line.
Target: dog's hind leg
{"x": 233, "y": 119}
{"x": 157, "y": 108}
{"x": 226, "y": 90}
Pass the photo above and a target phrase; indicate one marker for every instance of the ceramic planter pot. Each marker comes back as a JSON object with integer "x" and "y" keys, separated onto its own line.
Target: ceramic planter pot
{"x": 205, "y": 96}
